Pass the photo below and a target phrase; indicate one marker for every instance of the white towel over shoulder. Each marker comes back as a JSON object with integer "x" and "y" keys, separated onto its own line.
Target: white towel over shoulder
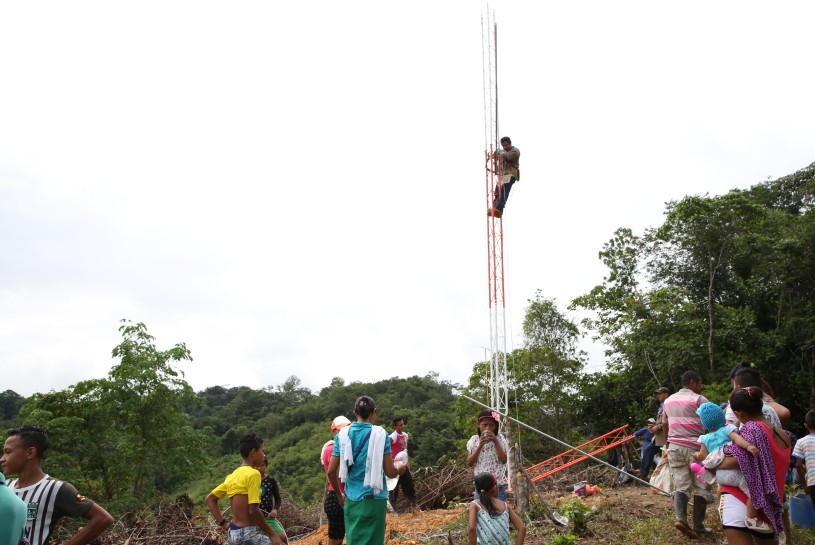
{"x": 373, "y": 464}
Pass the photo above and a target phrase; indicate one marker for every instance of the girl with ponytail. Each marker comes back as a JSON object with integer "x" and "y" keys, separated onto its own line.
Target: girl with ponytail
{"x": 490, "y": 517}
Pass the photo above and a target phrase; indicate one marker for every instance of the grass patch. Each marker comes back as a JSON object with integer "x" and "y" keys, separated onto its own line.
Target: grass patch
{"x": 803, "y": 536}
{"x": 645, "y": 531}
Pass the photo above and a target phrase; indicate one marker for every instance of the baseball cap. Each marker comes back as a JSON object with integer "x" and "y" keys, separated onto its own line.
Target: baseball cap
{"x": 663, "y": 390}
{"x": 652, "y": 421}
{"x": 339, "y": 423}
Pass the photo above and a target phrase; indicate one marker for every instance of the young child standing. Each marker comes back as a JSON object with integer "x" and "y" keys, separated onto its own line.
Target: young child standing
{"x": 804, "y": 454}
{"x": 710, "y": 455}
{"x": 243, "y": 488}
{"x": 490, "y": 517}
{"x": 270, "y": 500}
{"x": 487, "y": 451}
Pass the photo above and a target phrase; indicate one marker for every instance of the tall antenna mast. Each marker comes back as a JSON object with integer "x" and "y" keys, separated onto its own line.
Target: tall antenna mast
{"x": 499, "y": 387}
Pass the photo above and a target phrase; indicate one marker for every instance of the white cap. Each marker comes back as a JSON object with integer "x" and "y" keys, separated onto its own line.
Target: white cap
{"x": 339, "y": 423}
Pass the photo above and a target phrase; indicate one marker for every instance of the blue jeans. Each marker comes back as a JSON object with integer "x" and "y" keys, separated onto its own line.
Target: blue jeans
{"x": 250, "y": 535}
{"x": 648, "y": 454}
{"x": 502, "y": 495}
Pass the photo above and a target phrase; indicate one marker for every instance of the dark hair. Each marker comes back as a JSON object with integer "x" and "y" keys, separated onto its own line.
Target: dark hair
{"x": 248, "y": 443}
{"x": 483, "y": 485}
{"x": 486, "y": 414}
{"x": 747, "y": 376}
{"x": 32, "y": 436}
{"x": 364, "y": 407}
{"x": 747, "y": 400}
{"x": 743, "y": 364}
{"x": 810, "y": 419}
{"x": 397, "y": 420}
{"x": 505, "y": 139}
{"x": 689, "y": 377}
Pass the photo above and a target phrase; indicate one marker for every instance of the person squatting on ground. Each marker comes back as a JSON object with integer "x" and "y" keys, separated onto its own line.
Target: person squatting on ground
{"x": 361, "y": 460}
{"x": 331, "y": 505}
{"x": 47, "y": 499}
{"x": 490, "y": 517}
{"x": 248, "y": 525}
{"x": 270, "y": 500}
{"x": 684, "y": 428}
{"x": 510, "y": 173}
{"x": 804, "y": 454}
{"x": 711, "y": 454}
{"x": 487, "y": 451}
{"x": 399, "y": 443}
{"x": 765, "y": 474}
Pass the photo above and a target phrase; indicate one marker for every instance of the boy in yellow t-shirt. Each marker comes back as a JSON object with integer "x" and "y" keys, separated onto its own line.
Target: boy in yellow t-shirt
{"x": 248, "y": 525}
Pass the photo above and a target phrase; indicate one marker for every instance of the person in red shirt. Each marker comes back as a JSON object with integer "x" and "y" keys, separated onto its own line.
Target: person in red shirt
{"x": 765, "y": 475}
{"x": 332, "y": 508}
{"x": 399, "y": 443}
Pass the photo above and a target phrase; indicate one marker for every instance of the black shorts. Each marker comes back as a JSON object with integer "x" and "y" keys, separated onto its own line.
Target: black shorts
{"x": 336, "y": 516}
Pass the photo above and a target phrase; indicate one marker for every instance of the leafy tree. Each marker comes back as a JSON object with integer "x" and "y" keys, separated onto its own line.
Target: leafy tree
{"x": 10, "y": 404}
{"x": 724, "y": 278}
{"x": 126, "y": 436}
{"x": 544, "y": 382}
{"x": 694, "y": 248}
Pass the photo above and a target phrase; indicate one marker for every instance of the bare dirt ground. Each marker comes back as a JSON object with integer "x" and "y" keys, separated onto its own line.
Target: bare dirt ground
{"x": 619, "y": 514}
{"x": 406, "y": 529}
{"x": 625, "y": 514}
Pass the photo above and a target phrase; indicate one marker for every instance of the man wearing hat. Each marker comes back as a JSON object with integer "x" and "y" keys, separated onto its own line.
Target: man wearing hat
{"x": 336, "y": 517}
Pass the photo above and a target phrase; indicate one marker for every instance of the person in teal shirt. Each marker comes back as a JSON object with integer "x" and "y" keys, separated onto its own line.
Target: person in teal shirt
{"x": 362, "y": 459}
{"x": 13, "y": 511}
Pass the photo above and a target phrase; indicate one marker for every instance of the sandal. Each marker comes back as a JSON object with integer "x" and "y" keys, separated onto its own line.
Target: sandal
{"x": 757, "y": 525}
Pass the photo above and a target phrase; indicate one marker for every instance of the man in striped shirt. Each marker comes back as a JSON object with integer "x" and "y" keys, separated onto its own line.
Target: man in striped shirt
{"x": 684, "y": 428}
{"x": 47, "y": 498}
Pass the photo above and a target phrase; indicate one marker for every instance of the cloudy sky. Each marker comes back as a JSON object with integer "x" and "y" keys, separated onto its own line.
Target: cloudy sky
{"x": 298, "y": 188}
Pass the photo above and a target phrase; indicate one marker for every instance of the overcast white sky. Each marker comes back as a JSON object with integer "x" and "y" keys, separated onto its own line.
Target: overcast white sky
{"x": 298, "y": 188}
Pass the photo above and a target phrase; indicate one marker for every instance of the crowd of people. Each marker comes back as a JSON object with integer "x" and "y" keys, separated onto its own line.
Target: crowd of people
{"x": 741, "y": 445}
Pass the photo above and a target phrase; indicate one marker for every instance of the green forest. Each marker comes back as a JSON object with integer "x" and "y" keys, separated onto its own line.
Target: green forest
{"x": 723, "y": 279}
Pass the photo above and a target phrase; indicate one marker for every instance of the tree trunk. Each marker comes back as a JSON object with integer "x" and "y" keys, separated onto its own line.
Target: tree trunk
{"x": 520, "y": 488}
{"x": 712, "y": 268}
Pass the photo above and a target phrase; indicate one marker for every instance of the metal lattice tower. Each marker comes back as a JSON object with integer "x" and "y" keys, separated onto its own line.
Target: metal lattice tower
{"x": 498, "y": 381}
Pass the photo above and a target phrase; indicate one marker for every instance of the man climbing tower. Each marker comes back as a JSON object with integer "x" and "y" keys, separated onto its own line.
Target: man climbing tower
{"x": 510, "y": 173}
